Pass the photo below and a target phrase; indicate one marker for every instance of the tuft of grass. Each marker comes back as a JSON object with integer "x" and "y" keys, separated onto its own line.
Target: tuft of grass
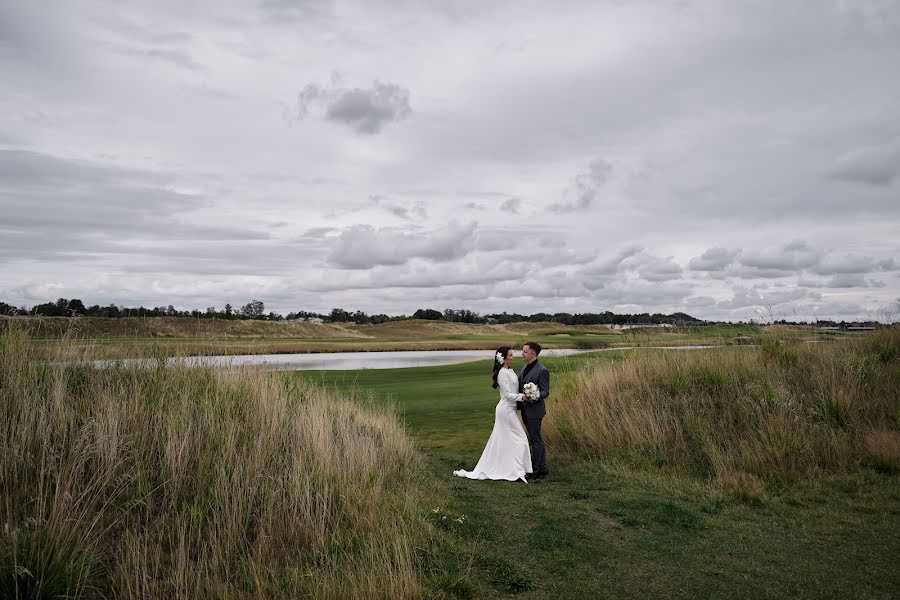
{"x": 744, "y": 487}
{"x": 883, "y": 450}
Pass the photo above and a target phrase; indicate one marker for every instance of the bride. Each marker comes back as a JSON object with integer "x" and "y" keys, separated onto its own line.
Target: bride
{"x": 506, "y": 455}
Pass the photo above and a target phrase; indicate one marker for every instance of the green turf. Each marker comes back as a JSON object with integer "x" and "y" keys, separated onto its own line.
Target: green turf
{"x": 601, "y": 529}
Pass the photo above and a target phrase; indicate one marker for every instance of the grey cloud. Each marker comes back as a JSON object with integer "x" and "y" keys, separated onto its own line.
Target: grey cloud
{"x": 790, "y": 257}
{"x": 714, "y": 259}
{"x": 549, "y": 285}
{"x": 494, "y": 240}
{"x": 174, "y": 56}
{"x": 610, "y": 266}
{"x": 407, "y": 211}
{"x": 38, "y": 170}
{"x": 660, "y": 270}
{"x": 642, "y": 294}
{"x": 512, "y": 205}
{"x": 872, "y": 165}
{"x": 89, "y": 210}
{"x": 31, "y": 33}
{"x": 367, "y": 111}
{"x": 850, "y": 264}
{"x": 319, "y": 233}
{"x": 585, "y": 187}
{"x": 848, "y": 280}
{"x": 363, "y": 246}
{"x": 423, "y": 274}
{"x": 750, "y": 297}
{"x": 700, "y": 302}
{"x": 291, "y": 11}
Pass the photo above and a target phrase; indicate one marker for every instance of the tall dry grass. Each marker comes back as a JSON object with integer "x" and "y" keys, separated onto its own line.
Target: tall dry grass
{"x": 743, "y": 415}
{"x": 169, "y": 482}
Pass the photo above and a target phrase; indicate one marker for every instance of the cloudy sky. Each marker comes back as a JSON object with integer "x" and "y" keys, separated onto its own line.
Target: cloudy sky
{"x": 716, "y": 157}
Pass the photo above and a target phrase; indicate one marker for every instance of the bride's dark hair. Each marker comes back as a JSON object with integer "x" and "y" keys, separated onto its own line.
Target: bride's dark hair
{"x": 503, "y": 351}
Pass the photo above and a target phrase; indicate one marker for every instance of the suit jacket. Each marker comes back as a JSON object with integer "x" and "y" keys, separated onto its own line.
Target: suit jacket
{"x": 540, "y": 376}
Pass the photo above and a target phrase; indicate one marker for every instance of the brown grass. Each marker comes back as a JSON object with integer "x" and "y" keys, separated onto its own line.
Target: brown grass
{"x": 54, "y": 328}
{"x": 883, "y": 449}
{"x": 774, "y": 412}
{"x": 183, "y": 483}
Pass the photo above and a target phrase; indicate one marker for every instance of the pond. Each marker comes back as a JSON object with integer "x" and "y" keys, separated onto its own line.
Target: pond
{"x": 337, "y": 361}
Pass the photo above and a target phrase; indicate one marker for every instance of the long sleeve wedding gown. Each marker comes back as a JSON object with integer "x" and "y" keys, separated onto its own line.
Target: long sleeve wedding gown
{"x": 506, "y": 455}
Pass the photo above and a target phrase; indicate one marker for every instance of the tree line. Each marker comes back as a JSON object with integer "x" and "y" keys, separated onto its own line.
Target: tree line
{"x": 256, "y": 310}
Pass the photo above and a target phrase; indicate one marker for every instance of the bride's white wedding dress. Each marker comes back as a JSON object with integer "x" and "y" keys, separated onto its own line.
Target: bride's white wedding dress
{"x": 506, "y": 455}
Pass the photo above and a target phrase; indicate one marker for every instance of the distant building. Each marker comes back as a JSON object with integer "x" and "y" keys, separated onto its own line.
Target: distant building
{"x": 644, "y": 326}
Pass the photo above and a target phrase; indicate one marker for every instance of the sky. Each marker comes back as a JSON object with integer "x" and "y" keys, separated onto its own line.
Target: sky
{"x": 734, "y": 159}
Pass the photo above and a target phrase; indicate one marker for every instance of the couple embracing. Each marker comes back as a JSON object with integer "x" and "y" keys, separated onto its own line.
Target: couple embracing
{"x": 512, "y": 452}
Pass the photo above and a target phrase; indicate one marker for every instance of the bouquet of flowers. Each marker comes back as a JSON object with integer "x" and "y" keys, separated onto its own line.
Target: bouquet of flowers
{"x": 532, "y": 392}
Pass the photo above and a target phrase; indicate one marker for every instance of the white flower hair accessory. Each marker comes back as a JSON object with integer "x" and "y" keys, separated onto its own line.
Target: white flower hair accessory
{"x": 500, "y": 358}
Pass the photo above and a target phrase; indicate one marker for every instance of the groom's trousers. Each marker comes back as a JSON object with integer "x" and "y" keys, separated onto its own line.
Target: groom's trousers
{"x": 538, "y": 454}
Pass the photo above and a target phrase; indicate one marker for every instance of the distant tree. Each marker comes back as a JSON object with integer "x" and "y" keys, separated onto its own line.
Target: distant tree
{"x": 253, "y": 309}
{"x": 48, "y": 309}
{"x": 302, "y": 314}
{"x": 75, "y": 307}
{"x": 338, "y": 315}
{"x": 428, "y": 314}
{"x": 228, "y": 311}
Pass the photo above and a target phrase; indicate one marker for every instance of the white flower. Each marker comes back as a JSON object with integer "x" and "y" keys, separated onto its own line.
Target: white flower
{"x": 500, "y": 358}
{"x": 532, "y": 392}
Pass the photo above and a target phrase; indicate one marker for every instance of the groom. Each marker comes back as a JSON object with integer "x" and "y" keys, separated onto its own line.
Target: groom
{"x": 534, "y": 411}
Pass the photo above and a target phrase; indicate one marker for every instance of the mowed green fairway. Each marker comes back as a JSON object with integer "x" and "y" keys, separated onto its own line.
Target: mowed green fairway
{"x": 449, "y": 409}
{"x": 605, "y": 529}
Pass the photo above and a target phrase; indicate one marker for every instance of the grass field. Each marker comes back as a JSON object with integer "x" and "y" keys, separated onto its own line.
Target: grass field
{"x": 779, "y": 476}
{"x": 135, "y": 337}
{"x": 612, "y": 527}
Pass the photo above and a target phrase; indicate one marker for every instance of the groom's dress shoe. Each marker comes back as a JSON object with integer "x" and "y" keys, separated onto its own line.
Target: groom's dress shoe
{"x": 541, "y": 475}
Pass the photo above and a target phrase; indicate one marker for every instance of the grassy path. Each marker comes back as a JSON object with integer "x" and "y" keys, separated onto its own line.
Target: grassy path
{"x": 601, "y": 529}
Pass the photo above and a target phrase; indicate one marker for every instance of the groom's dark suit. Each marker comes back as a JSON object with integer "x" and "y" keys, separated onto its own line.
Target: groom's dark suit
{"x": 533, "y": 413}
